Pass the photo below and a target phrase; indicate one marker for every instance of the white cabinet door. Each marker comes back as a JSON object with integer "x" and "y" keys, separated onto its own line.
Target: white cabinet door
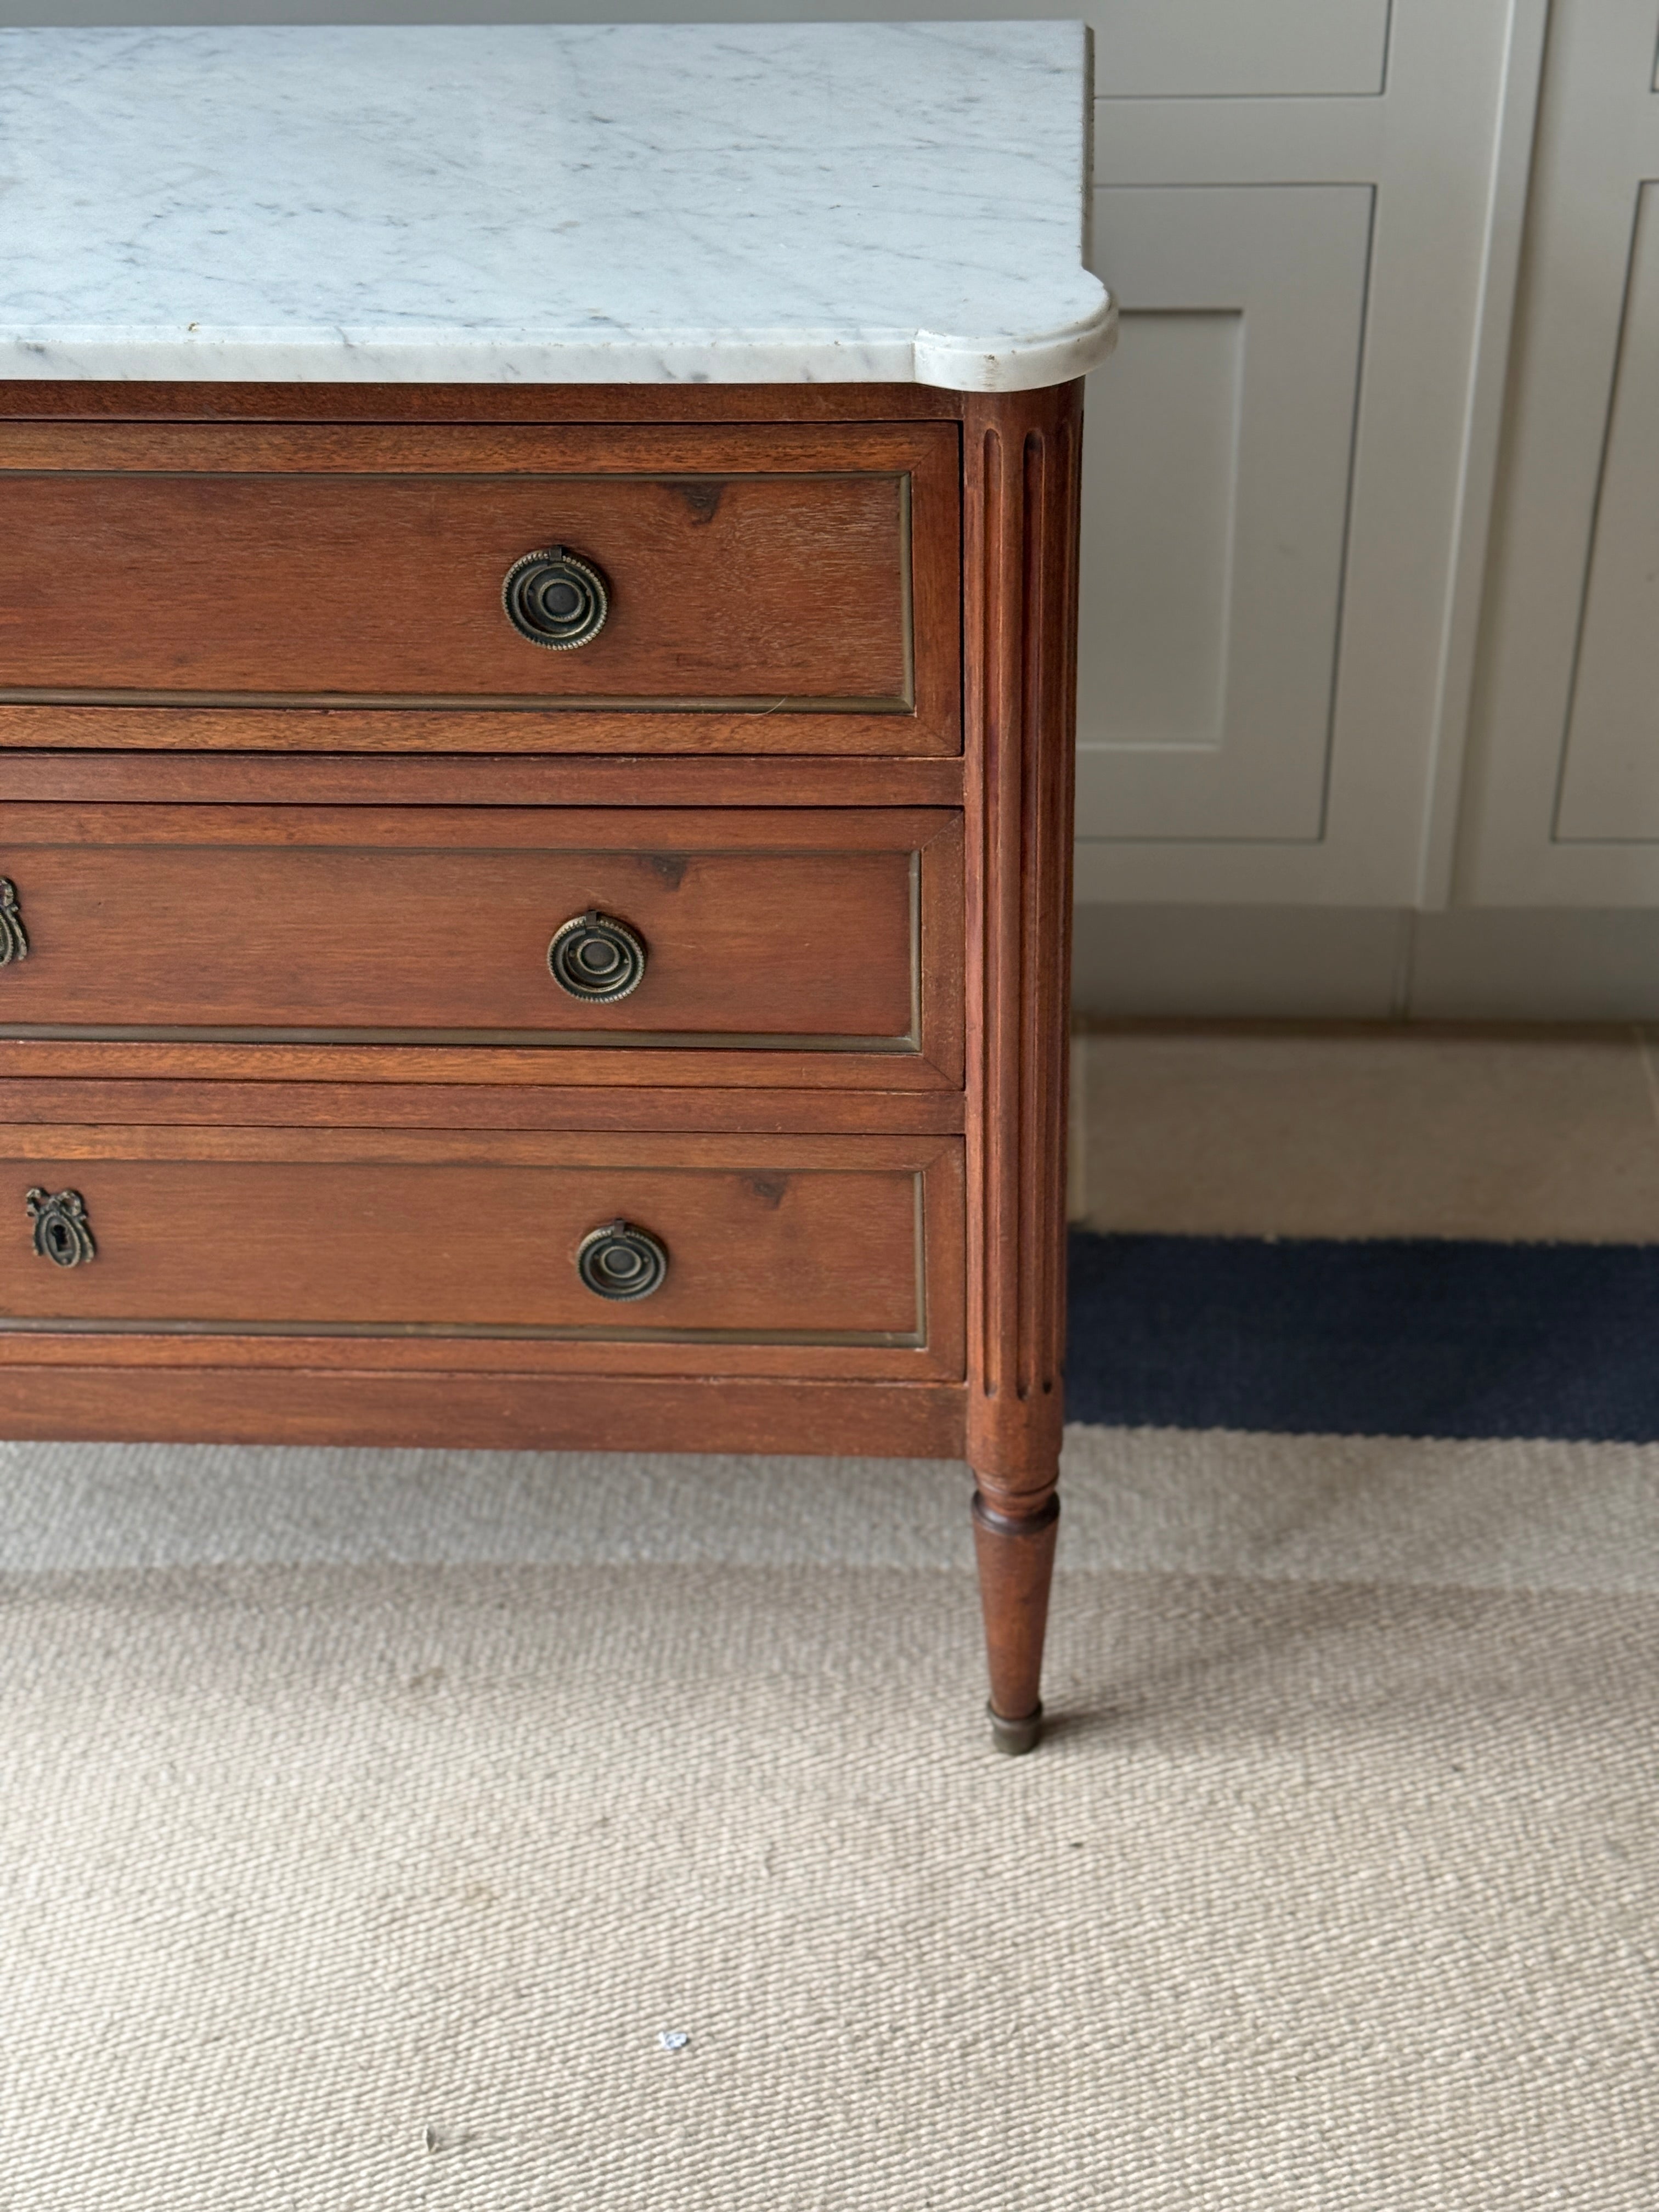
{"x": 1215, "y": 508}
{"x": 1563, "y": 800}
{"x": 1288, "y": 461}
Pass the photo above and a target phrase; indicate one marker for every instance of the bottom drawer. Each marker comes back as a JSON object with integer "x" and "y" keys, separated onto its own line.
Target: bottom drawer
{"x": 811, "y": 1255}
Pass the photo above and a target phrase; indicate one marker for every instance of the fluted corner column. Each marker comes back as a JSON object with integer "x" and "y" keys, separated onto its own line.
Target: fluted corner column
{"x": 1021, "y": 487}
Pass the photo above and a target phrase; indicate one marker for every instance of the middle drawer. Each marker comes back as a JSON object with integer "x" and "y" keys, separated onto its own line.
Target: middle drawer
{"x": 829, "y": 931}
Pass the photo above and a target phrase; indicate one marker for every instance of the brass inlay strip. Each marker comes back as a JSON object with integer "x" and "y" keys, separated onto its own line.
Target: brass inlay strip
{"x": 572, "y": 1040}
{"x": 894, "y": 1339}
{"x": 482, "y": 702}
{"x": 907, "y": 594}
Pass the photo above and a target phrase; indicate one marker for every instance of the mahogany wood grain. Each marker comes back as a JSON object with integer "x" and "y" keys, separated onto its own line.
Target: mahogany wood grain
{"x": 301, "y": 776}
{"x": 388, "y": 587}
{"x": 420, "y": 923}
{"x": 477, "y": 1106}
{"x": 387, "y": 1246}
{"x": 710, "y": 463}
{"x": 802, "y": 1255}
{"x": 1021, "y": 490}
{"x": 766, "y": 726}
{"x": 806, "y": 1152}
{"x": 550, "y": 831}
{"x": 621, "y": 1360}
{"x": 573, "y": 1065}
{"x": 767, "y": 578}
{"x": 456, "y": 1412}
{"x": 29, "y": 399}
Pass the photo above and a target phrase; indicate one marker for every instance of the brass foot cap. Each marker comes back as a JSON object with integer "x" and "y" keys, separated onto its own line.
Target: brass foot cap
{"x": 1016, "y": 1736}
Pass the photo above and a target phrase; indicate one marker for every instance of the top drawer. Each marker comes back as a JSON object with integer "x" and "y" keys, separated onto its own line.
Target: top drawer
{"x": 770, "y": 588}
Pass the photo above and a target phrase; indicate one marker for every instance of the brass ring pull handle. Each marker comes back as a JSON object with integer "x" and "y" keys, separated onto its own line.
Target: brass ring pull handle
{"x": 596, "y": 957}
{"x": 62, "y": 1232}
{"x": 622, "y": 1262}
{"x": 556, "y": 599}
{"x": 14, "y": 937}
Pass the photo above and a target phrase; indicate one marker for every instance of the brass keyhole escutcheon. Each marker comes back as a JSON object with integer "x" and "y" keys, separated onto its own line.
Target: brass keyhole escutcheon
{"x": 596, "y": 957}
{"x": 622, "y": 1261}
{"x": 14, "y": 937}
{"x": 62, "y": 1232}
{"x": 556, "y": 599}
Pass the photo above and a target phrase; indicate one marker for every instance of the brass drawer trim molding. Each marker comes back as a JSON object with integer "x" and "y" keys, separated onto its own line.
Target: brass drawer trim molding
{"x": 694, "y": 1210}
{"x": 413, "y": 702}
{"x": 905, "y": 1045}
{"x": 600, "y": 1333}
{"x": 914, "y": 896}
{"x": 701, "y": 489}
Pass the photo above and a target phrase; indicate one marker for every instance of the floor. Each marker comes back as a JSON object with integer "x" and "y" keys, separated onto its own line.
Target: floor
{"x": 367, "y": 1820}
{"x": 1276, "y": 1131}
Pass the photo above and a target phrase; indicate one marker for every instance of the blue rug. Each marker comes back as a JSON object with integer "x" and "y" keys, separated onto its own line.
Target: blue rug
{"x": 1406, "y": 1337}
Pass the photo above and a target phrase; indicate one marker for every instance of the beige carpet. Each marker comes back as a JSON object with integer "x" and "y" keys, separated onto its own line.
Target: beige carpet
{"x": 365, "y": 1817}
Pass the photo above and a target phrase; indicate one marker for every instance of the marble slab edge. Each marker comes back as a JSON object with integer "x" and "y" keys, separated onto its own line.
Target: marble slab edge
{"x": 1000, "y": 362}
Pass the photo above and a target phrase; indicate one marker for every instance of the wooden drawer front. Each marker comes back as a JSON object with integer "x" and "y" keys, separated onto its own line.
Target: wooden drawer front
{"x": 833, "y": 930}
{"x": 761, "y": 582}
{"x": 418, "y": 1238}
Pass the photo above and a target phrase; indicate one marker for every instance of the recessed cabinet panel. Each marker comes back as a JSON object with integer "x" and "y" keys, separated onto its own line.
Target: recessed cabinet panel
{"x": 1610, "y": 786}
{"x": 1156, "y": 638}
{"x": 1215, "y": 509}
{"x": 1194, "y": 47}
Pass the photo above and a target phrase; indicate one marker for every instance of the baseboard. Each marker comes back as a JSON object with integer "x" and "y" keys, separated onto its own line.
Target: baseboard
{"x": 1366, "y": 963}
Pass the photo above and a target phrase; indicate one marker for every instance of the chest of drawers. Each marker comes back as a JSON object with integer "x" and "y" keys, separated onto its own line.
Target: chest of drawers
{"x": 535, "y": 903}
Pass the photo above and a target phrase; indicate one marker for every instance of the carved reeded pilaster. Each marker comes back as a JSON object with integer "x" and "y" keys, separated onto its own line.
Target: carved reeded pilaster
{"x": 1021, "y": 482}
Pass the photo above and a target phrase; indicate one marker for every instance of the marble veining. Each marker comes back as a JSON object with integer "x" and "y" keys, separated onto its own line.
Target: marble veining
{"x": 638, "y": 203}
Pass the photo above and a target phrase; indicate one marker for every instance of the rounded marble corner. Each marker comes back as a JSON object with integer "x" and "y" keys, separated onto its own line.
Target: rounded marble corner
{"x": 1018, "y": 364}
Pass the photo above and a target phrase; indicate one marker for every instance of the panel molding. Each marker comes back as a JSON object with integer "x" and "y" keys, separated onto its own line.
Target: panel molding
{"x": 1264, "y": 963}
{"x": 1289, "y": 262}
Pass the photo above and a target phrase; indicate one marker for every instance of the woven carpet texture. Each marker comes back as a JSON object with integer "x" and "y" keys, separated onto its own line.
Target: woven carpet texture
{"x": 366, "y": 1818}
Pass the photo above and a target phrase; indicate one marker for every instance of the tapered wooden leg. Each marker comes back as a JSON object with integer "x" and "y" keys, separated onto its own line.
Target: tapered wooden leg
{"x": 1016, "y": 1552}
{"x": 1021, "y": 456}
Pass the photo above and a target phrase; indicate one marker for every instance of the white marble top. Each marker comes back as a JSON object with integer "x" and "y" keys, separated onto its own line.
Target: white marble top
{"x": 538, "y": 203}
